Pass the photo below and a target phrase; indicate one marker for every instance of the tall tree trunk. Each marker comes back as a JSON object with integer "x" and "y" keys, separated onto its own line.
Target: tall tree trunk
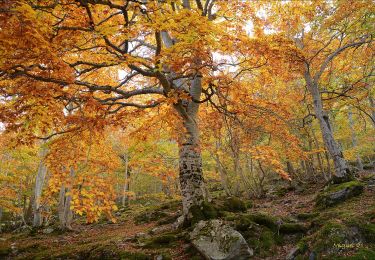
{"x": 341, "y": 173}
{"x": 190, "y": 167}
{"x": 38, "y": 188}
{"x": 192, "y": 185}
{"x": 190, "y": 159}
{"x": 372, "y": 106}
{"x": 328, "y": 165}
{"x": 354, "y": 139}
{"x": 221, "y": 169}
{"x": 125, "y": 190}
{"x": 65, "y": 198}
{"x": 326, "y": 175}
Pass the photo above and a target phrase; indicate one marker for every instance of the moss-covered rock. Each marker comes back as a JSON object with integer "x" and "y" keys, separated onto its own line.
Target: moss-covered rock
{"x": 203, "y": 212}
{"x": 307, "y": 216}
{"x": 149, "y": 216}
{"x": 291, "y": 228}
{"x": 264, "y": 219}
{"x": 368, "y": 231}
{"x": 333, "y": 237}
{"x": 217, "y": 240}
{"x": 338, "y": 193}
{"x": 243, "y": 223}
{"x": 262, "y": 239}
{"x": 234, "y": 204}
{"x": 165, "y": 240}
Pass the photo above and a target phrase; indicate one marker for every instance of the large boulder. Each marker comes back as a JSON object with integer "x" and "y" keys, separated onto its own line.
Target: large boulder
{"x": 338, "y": 193}
{"x": 218, "y": 241}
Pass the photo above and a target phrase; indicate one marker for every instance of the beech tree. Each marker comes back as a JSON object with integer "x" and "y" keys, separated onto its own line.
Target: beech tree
{"x": 324, "y": 31}
{"x": 105, "y": 56}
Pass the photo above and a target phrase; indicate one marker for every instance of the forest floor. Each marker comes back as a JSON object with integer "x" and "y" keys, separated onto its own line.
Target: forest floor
{"x": 144, "y": 231}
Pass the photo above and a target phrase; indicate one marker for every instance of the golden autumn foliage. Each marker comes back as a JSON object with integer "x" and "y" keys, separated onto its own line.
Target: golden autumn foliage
{"x": 100, "y": 79}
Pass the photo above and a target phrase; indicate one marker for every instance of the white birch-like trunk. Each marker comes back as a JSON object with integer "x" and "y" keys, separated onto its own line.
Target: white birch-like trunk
{"x": 64, "y": 211}
{"x": 38, "y": 188}
{"x": 354, "y": 139}
{"x": 341, "y": 173}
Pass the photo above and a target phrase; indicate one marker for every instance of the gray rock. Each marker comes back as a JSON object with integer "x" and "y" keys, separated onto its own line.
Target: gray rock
{"x": 339, "y": 193}
{"x": 218, "y": 241}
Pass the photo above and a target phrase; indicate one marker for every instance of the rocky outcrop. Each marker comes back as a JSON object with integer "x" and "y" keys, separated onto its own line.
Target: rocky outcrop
{"x": 218, "y": 241}
{"x": 336, "y": 194}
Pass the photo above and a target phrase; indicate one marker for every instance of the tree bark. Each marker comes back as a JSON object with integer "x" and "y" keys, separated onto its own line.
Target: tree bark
{"x": 124, "y": 198}
{"x": 354, "y": 139}
{"x": 38, "y": 188}
{"x": 372, "y": 106}
{"x": 222, "y": 172}
{"x": 341, "y": 173}
{"x": 192, "y": 184}
{"x": 65, "y": 198}
{"x": 190, "y": 159}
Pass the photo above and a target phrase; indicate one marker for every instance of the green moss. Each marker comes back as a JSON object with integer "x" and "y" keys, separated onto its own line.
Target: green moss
{"x": 165, "y": 240}
{"x": 234, "y": 204}
{"x": 345, "y": 185}
{"x": 307, "y": 216}
{"x": 243, "y": 223}
{"x": 330, "y": 234}
{"x": 248, "y": 204}
{"x": 302, "y": 246}
{"x": 368, "y": 231}
{"x": 366, "y": 228}
{"x": 264, "y": 242}
{"x": 167, "y": 220}
{"x": 362, "y": 254}
{"x": 329, "y": 197}
{"x": 267, "y": 240}
{"x": 203, "y": 212}
{"x": 291, "y": 228}
{"x": 263, "y": 219}
{"x": 149, "y": 216}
